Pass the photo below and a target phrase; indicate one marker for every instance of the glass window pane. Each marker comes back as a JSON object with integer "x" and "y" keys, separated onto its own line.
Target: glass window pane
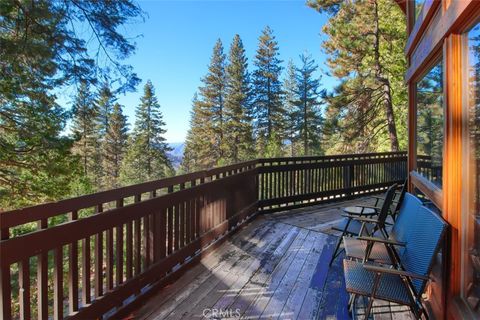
{"x": 418, "y": 7}
{"x": 430, "y": 119}
{"x": 471, "y": 256}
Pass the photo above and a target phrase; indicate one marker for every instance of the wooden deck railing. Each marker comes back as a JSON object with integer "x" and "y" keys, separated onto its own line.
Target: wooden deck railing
{"x": 286, "y": 183}
{"x": 428, "y": 169}
{"x": 97, "y": 255}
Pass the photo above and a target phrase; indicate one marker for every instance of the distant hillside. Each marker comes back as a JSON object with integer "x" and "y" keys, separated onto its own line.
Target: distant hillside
{"x": 177, "y": 153}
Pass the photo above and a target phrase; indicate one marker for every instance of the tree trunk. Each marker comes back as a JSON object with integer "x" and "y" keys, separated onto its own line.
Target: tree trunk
{"x": 387, "y": 97}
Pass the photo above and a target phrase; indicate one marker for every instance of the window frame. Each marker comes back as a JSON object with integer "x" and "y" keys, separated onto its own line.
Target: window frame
{"x": 467, "y": 171}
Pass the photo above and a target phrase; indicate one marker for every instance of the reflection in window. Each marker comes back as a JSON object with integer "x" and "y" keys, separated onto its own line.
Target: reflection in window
{"x": 471, "y": 254}
{"x": 430, "y": 125}
{"x": 418, "y": 7}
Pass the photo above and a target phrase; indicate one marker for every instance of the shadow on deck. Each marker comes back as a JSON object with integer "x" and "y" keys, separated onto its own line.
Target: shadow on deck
{"x": 275, "y": 267}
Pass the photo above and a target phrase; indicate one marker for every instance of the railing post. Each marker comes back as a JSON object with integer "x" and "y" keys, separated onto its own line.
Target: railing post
{"x": 348, "y": 178}
{"x": 5, "y": 289}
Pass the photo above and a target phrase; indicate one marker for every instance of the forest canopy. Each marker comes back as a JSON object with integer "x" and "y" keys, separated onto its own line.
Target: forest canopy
{"x": 245, "y": 108}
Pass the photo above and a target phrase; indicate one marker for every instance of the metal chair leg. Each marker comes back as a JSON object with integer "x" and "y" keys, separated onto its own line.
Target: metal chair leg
{"x": 335, "y": 253}
{"x": 372, "y": 296}
{"x": 369, "y": 308}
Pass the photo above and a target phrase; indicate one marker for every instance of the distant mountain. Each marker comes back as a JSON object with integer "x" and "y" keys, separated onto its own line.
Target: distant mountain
{"x": 176, "y": 154}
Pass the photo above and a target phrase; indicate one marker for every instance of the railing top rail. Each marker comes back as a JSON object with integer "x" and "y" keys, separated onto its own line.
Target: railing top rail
{"x": 13, "y": 218}
{"x": 333, "y": 157}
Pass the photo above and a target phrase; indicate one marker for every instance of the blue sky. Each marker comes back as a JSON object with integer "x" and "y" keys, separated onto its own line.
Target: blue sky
{"x": 178, "y": 37}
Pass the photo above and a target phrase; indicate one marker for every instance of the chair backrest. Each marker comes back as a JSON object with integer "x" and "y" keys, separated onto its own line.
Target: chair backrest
{"x": 406, "y": 217}
{"x": 399, "y": 200}
{"x": 422, "y": 246}
{"x": 387, "y": 202}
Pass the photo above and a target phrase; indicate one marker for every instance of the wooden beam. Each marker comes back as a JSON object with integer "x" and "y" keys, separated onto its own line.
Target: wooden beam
{"x": 452, "y": 171}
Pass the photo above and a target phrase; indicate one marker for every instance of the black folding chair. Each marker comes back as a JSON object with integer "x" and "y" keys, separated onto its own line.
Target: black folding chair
{"x": 353, "y": 225}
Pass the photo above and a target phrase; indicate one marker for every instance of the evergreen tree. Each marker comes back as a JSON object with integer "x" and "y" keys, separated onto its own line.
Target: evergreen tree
{"x": 309, "y": 120}
{"x": 213, "y": 93}
{"x": 147, "y": 153}
{"x": 205, "y": 145}
{"x": 238, "y": 143}
{"x": 365, "y": 46}
{"x": 198, "y": 144}
{"x": 115, "y": 144}
{"x": 267, "y": 93}
{"x": 104, "y": 104}
{"x": 290, "y": 90}
{"x": 105, "y": 101}
{"x": 42, "y": 51}
{"x": 83, "y": 128}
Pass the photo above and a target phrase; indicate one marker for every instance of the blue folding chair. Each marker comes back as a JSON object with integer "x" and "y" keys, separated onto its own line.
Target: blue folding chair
{"x": 403, "y": 284}
{"x": 379, "y": 250}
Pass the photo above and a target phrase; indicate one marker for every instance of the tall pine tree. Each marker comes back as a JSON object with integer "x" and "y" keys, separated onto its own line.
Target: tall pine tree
{"x": 365, "y": 46}
{"x": 309, "y": 122}
{"x": 200, "y": 139}
{"x": 213, "y": 94}
{"x": 43, "y": 49}
{"x": 267, "y": 96}
{"x": 115, "y": 144}
{"x": 104, "y": 104}
{"x": 205, "y": 145}
{"x": 290, "y": 98}
{"x": 147, "y": 154}
{"x": 238, "y": 144}
{"x": 83, "y": 128}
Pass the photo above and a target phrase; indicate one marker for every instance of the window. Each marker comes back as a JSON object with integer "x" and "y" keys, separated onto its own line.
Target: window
{"x": 430, "y": 119}
{"x": 418, "y": 7}
{"x": 471, "y": 211}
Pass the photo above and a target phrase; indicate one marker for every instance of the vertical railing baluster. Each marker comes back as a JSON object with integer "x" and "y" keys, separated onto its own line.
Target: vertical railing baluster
{"x": 86, "y": 287}
{"x": 109, "y": 256}
{"x": 129, "y": 250}
{"x": 5, "y": 281}
{"x": 98, "y": 253}
{"x": 73, "y": 270}
{"x": 137, "y": 248}
{"x": 42, "y": 278}
{"x": 119, "y": 249}
{"x": 24, "y": 289}
{"x": 58, "y": 283}
{"x": 170, "y": 225}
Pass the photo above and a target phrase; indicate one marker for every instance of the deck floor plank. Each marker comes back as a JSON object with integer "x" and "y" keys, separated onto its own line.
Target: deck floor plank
{"x": 281, "y": 294}
{"x": 249, "y": 263}
{"x": 198, "y": 299}
{"x": 170, "y": 297}
{"x": 254, "y": 297}
{"x": 276, "y": 267}
{"x": 297, "y": 295}
{"x": 263, "y": 268}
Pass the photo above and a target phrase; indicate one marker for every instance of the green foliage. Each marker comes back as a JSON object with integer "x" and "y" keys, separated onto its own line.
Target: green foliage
{"x": 212, "y": 96}
{"x": 309, "y": 118}
{"x": 290, "y": 89}
{"x": 114, "y": 145}
{"x": 43, "y": 46}
{"x": 35, "y": 160}
{"x": 267, "y": 93}
{"x": 104, "y": 105}
{"x": 238, "y": 145}
{"x": 205, "y": 145}
{"x": 430, "y": 120}
{"x": 146, "y": 157}
{"x": 199, "y": 141}
{"x": 83, "y": 132}
{"x": 367, "y": 111}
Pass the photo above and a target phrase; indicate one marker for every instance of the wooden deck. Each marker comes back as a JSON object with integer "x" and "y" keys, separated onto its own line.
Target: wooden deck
{"x": 274, "y": 268}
